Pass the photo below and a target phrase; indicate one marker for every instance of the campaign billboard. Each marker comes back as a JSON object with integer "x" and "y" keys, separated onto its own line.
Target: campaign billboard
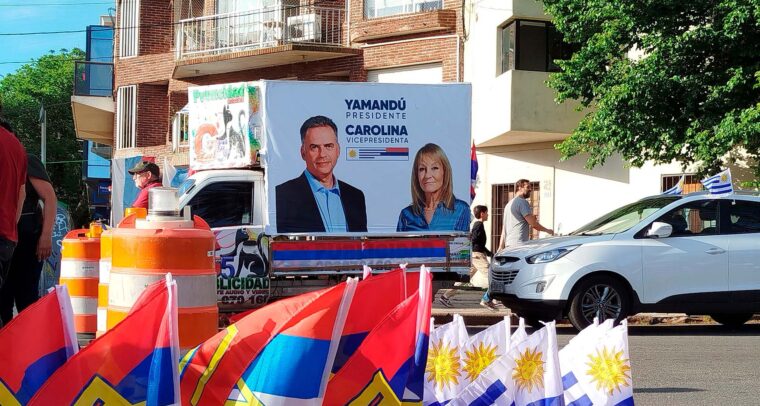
{"x": 367, "y": 158}
{"x": 224, "y": 126}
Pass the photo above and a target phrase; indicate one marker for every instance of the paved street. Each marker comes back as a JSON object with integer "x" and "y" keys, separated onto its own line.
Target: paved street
{"x": 673, "y": 364}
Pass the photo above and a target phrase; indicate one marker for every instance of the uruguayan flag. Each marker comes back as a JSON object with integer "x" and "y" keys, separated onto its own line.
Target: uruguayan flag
{"x": 533, "y": 366}
{"x": 568, "y": 355}
{"x": 599, "y": 369}
{"x": 519, "y": 335}
{"x": 490, "y": 388}
{"x": 719, "y": 184}
{"x": 444, "y": 373}
{"x": 677, "y": 189}
{"x": 484, "y": 348}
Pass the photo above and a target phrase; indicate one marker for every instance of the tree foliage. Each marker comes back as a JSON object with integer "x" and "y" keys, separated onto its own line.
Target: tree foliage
{"x": 48, "y": 81}
{"x": 692, "y": 94}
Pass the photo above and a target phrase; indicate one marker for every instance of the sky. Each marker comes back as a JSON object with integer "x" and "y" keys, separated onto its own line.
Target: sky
{"x": 20, "y": 16}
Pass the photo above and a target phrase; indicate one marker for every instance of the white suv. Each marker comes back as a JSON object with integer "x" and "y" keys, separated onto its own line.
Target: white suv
{"x": 694, "y": 254}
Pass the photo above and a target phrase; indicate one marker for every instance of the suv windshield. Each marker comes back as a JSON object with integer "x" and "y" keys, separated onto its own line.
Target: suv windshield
{"x": 622, "y": 219}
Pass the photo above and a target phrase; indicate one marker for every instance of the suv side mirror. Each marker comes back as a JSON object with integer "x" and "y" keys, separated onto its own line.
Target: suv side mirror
{"x": 660, "y": 230}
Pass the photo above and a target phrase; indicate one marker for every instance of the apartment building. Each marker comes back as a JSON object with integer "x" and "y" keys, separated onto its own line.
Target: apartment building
{"x": 509, "y": 51}
{"x": 163, "y": 47}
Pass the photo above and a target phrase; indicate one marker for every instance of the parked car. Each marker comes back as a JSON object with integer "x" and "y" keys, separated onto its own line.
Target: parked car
{"x": 694, "y": 254}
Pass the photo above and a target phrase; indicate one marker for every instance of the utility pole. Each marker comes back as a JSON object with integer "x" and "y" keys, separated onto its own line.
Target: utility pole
{"x": 43, "y": 135}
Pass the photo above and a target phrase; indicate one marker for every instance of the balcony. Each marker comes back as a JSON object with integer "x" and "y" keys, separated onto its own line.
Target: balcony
{"x": 517, "y": 107}
{"x": 259, "y": 38}
{"x": 92, "y": 101}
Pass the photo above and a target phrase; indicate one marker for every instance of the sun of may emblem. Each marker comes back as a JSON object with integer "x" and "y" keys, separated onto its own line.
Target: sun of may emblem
{"x": 352, "y": 153}
{"x": 609, "y": 370}
{"x": 529, "y": 371}
{"x": 443, "y": 365}
{"x": 478, "y": 359}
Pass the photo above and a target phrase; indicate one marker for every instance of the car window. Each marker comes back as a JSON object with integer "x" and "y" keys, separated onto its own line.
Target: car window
{"x": 622, "y": 219}
{"x": 745, "y": 217}
{"x": 223, "y": 204}
{"x": 699, "y": 217}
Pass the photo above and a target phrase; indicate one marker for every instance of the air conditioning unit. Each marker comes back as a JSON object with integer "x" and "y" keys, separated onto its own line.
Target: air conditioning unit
{"x": 305, "y": 28}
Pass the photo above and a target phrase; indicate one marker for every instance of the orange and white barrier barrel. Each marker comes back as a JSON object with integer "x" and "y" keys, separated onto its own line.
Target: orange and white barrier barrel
{"x": 145, "y": 250}
{"x": 80, "y": 256}
{"x": 104, "y": 274}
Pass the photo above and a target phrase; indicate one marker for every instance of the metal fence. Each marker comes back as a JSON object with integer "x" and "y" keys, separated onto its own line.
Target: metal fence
{"x": 384, "y": 8}
{"x": 259, "y": 28}
{"x": 93, "y": 79}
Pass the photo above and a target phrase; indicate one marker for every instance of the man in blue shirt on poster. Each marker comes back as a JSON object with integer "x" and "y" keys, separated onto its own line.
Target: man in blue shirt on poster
{"x": 316, "y": 201}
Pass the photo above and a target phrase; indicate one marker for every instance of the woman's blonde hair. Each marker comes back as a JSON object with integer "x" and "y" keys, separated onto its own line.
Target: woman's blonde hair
{"x": 447, "y": 189}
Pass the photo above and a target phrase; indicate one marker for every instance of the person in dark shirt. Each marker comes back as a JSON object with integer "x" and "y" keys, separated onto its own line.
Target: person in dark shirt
{"x": 479, "y": 258}
{"x": 12, "y": 194}
{"x": 35, "y": 241}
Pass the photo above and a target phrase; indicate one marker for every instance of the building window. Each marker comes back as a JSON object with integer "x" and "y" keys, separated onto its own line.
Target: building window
{"x": 129, "y": 22}
{"x": 180, "y": 134}
{"x": 126, "y": 116}
{"x": 503, "y": 194}
{"x": 383, "y": 8}
{"x": 532, "y": 45}
{"x": 690, "y": 184}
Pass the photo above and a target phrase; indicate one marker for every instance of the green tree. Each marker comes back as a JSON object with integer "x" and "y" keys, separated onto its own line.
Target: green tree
{"x": 48, "y": 81}
{"x": 691, "y": 95}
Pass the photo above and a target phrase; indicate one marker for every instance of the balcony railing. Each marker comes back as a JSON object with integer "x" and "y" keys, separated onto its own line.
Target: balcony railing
{"x": 380, "y": 8}
{"x": 259, "y": 28}
{"x": 93, "y": 79}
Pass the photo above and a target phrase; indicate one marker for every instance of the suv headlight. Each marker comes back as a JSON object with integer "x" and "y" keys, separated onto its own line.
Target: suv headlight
{"x": 551, "y": 255}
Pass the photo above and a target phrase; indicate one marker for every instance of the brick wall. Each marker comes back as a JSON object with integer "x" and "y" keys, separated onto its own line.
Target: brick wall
{"x": 160, "y": 96}
{"x": 152, "y": 115}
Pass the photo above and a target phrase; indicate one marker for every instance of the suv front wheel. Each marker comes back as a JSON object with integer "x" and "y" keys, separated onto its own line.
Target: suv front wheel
{"x": 732, "y": 320}
{"x": 598, "y": 296}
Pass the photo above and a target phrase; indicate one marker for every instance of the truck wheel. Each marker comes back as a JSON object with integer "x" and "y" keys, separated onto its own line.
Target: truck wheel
{"x": 732, "y": 320}
{"x": 600, "y": 296}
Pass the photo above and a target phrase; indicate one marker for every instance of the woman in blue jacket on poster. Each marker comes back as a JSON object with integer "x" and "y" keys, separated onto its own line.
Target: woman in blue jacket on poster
{"x": 434, "y": 206}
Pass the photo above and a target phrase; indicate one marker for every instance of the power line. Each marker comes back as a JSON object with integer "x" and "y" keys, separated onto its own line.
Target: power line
{"x": 51, "y": 4}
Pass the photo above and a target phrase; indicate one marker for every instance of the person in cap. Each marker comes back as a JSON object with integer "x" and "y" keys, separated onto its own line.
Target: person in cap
{"x": 146, "y": 176}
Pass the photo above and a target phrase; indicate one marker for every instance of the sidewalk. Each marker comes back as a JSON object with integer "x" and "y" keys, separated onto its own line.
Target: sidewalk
{"x": 467, "y": 304}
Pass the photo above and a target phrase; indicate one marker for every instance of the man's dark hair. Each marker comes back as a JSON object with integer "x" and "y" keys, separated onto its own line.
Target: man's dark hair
{"x": 478, "y": 210}
{"x": 520, "y": 183}
{"x": 5, "y": 124}
{"x": 317, "y": 121}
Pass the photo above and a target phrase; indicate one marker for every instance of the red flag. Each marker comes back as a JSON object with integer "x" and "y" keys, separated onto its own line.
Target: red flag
{"x": 379, "y": 370}
{"x": 34, "y": 345}
{"x": 279, "y": 354}
{"x": 134, "y": 362}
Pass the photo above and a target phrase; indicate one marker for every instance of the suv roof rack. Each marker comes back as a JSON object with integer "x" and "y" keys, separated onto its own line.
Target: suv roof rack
{"x": 736, "y": 192}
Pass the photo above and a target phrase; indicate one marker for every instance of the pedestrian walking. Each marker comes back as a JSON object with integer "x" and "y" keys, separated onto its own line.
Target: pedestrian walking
{"x": 479, "y": 257}
{"x": 12, "y": 194}
{"x": 35, "y": 241}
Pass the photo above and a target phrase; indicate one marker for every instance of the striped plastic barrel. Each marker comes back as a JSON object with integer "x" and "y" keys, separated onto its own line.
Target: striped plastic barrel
{"x": 80, "y": 256}
{"x": 145, "y": 251}
{"x": 105, "y": 272}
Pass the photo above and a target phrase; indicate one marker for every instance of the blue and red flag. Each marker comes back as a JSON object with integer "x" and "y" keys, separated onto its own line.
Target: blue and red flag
{"x": 375, "y": 297}
{"x": 277, "y": 355}
{"x": 133, "y": 363}
{"x": 34, "y": 345}
{"x": 473, "y": 170}
{"x": 389, "y": 364}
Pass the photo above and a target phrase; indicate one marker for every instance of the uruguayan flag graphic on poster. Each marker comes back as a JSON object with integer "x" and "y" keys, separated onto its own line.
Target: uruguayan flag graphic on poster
{"x": 484, "y": 348}
{"x": 533, "y": 366}
{"x": 444, "y": 373}
{"x": 678, "y": 188}
{"x": 719, "y": 184}
{"x": 600, "y": 369}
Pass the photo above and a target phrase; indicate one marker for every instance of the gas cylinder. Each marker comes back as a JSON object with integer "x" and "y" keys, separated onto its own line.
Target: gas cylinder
{"x": 145, "y": 250}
